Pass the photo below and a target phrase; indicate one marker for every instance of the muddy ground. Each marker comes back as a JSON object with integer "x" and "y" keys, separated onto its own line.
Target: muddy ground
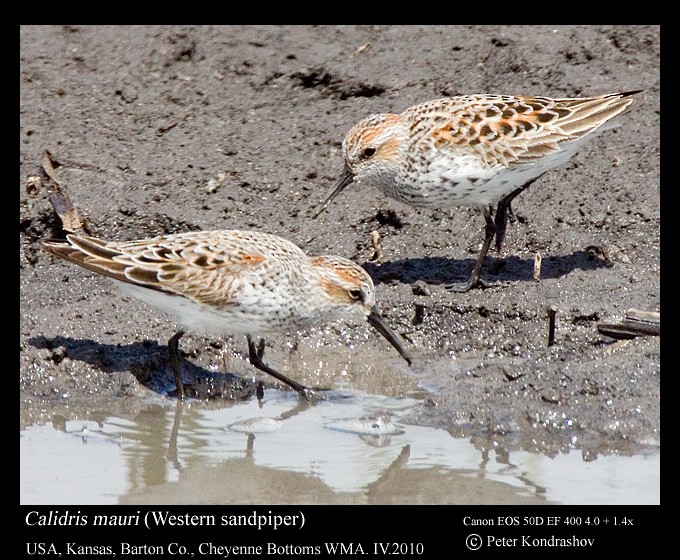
{"x": 170, "y": 129}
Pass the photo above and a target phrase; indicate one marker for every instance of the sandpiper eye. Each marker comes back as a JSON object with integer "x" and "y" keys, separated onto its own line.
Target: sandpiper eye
{"x": 368, "y": 153}
{"x": 356, "y": 294}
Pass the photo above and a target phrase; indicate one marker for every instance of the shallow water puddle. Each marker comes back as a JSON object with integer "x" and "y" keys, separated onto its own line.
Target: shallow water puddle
{"x": 349, "y": 449}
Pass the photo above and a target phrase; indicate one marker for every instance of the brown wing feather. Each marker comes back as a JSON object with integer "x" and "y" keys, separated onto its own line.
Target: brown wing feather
{"x": 89, "y": 258}
{"x": 179, "y": 264}
{"x": 507, "y": 129}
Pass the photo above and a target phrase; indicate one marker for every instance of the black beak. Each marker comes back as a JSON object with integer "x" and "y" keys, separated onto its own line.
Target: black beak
{"x": 381, "y": 326}
{"x": 345, "y": 179}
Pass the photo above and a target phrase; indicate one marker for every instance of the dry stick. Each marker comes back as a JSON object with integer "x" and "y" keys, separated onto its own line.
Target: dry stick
{"x": 636, "y": 323}
{"x": 552, "y": 313}
{"x": 65, "y": 209}
{"x": 377, "y": 246}
{"x": 537, "y": 267}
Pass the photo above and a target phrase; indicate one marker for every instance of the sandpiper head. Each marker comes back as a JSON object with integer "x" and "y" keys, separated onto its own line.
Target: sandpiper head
{"x": 350, "y": 293}
{"x": 345, "y": 284}
{"x": 370, "y": 152}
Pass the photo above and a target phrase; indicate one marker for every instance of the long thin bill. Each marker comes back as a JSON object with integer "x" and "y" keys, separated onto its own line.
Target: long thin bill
{"x": 375, "y": 319}
{"x": 345, "y": 179}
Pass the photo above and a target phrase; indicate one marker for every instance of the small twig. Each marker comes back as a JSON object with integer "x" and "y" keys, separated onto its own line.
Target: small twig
{"x": 537, "y": 267}
{"x": 163, "y": 129}
{"x": 377, "y": 246}
{"x": 67, "y": 212}
{"x": 552, "y": 314}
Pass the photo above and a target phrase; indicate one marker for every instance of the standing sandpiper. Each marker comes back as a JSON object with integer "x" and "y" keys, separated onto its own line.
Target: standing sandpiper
{"x": 472, "y": 150}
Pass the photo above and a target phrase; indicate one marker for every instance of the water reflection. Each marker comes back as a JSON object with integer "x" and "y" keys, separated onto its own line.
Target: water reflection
{"x": 351, "y": 448}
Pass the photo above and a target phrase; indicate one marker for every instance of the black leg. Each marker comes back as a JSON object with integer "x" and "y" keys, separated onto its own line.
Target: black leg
{"x": 495, "y": 227}
{"x": 475, "y": 280}
{"x": 504, "y": 211}
{"x": 256, "y": 355}
{"x": 173, "y": 347}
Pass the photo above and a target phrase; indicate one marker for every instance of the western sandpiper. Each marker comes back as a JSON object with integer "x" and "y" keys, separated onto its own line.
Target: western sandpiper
{"x": 472, "y": 150}
{"x": 237, "y": 282}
